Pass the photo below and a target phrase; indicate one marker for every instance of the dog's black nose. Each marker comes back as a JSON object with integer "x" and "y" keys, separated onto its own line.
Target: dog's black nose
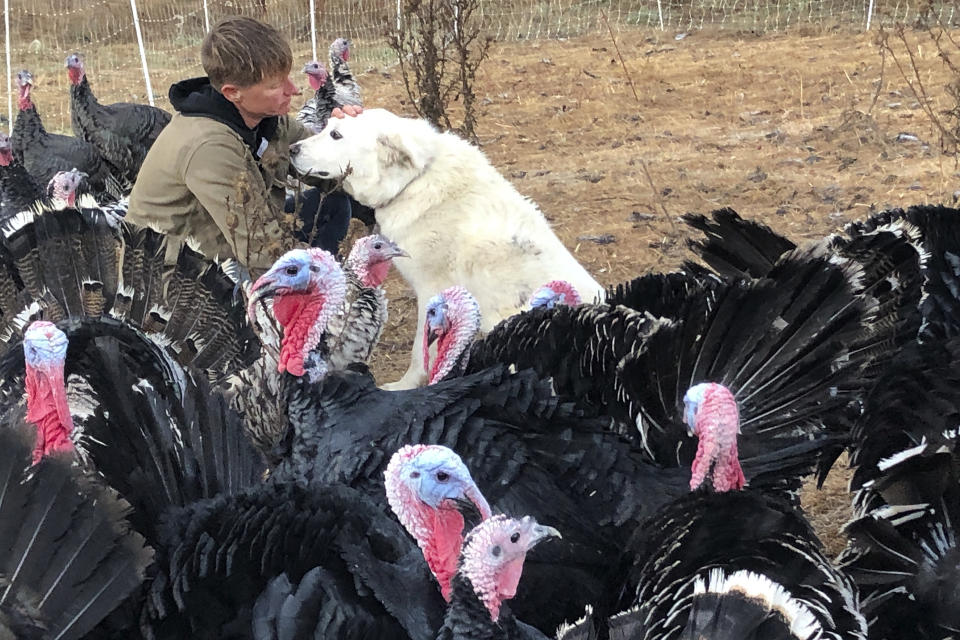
{"x": 294, "y": 149}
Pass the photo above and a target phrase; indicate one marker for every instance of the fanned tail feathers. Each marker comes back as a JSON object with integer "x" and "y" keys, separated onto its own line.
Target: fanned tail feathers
{"x": 68, "y": 557}
{"x": 78, "y": 263}
{"x": 735, "y": 247}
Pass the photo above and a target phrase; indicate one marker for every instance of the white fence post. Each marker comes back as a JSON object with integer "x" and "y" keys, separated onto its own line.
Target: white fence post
{"x": 313, "y": 29}
{"x": 869, "y": 14}
{"x": 660, "y": 12}
{"x": 143, "y": 52}
{"x": 399, "y": 12}
{"x": 6, "y": 29}
{"x": 206, "y": 16}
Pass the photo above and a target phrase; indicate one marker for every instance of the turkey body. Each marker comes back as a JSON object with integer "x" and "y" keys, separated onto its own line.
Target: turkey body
{"x": 123, "y": 133}
{"x": 44, "y": 154}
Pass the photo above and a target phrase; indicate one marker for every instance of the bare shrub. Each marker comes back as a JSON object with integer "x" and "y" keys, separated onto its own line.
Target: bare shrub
{"x": 441, "y": 45}
{"x": 895, "y": 45}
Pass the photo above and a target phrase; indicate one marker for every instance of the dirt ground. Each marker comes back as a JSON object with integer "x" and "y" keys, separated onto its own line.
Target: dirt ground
{"x": 779, "y": 127}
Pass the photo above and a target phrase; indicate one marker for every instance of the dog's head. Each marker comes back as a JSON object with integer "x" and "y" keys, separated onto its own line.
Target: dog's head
{"x": 377, "y": 153}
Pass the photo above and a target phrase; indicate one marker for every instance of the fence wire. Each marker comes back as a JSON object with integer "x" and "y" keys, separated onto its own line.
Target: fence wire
{"x": 44, "y": 32}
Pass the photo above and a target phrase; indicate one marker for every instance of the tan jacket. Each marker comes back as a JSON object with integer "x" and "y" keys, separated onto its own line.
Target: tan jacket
{"x": 191, "y": 185}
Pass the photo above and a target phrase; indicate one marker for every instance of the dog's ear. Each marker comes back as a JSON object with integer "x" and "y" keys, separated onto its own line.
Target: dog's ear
{"x": 399, "y": 150}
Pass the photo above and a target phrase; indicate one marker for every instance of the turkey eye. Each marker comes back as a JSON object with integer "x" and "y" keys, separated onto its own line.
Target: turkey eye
{"x": 414, "y": 474}
{"x": 291, "y": 271}
{"x": 495, "y": 551}
{"x": 378, "y": 246}
{"x": 514, "y": 538}
{"x": 336, "y": 135}
{"x": 443, "y": 476}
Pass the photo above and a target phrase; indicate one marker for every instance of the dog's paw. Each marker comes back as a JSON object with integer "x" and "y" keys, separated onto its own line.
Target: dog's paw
{"x": 399, "y": 385}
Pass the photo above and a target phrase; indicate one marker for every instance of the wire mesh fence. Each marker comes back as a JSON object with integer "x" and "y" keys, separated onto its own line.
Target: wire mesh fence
{"x": 43, "y": 32}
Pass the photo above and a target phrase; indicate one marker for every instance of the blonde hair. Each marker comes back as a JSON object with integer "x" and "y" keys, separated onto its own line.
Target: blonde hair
{"x": 243, "y": 51}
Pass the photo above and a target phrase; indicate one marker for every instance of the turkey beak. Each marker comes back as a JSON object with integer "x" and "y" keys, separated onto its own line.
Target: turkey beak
{"x": 397, "y": 252}
{"x": 432, "y": 335}
{"x": 473, "y": 493}
{"x": 264, "y": 288}
{"x": 542, "y": 532}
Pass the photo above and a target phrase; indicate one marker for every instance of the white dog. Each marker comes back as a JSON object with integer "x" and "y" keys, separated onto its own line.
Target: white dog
{"x": 440, "y": 199}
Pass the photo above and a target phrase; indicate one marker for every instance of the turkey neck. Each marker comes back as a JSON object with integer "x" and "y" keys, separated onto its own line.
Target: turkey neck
{"x": 47, "y": 409}
{"x": 469, "y": 619}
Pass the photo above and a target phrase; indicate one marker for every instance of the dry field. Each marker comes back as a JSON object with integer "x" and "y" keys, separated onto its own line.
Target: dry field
{"x": 776, "y": 127}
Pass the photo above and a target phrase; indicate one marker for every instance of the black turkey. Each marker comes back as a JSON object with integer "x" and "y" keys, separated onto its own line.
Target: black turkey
{"x": 18, "y": 190}
{"x": 347, "y": 89}
{"x": 487, "y": 576}
{"x": 316, "y": 111}
{"x": 728, "y": 563}
{"x": 45, "y": 154}
{"x": 121, "y": 132}
{"x": 350, "y": 337}
{"x": 904, "y": 543}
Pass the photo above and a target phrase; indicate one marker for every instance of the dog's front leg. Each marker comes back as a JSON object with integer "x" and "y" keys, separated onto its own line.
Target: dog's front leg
{"x": 415, "y": 375}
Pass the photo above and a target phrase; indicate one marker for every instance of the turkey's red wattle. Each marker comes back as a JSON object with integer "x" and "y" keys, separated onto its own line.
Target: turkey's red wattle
{"x": 297, "y": 313}
{"x": 718, "y": 422}
{"x": 441, "y": 549}
{"x": 47, "y": 409}
{"x": 23, "y": 98}
{"x": 374, "y": 275}
{"x": 76, "y": 75}
{"x": 314, "y": 81}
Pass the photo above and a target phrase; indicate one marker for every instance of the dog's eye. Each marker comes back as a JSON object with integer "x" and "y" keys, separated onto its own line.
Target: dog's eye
{"x": 336, "y": 135}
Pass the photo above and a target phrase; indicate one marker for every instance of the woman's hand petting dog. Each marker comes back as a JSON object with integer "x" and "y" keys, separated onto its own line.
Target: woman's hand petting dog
{"x": 346, "y": 110}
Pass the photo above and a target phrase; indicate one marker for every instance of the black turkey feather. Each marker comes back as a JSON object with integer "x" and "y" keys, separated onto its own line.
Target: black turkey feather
{"x": 68, "y": 559}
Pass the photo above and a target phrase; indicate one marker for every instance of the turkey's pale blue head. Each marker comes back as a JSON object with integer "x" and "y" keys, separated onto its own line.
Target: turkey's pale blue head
{"x": 24, "y": 78}
{"x": 437, "y": 475}
{"x": 316, "y": 74}
{"x": 308, "y": 288}
{"x": 6, "y": 150}
{"x": 438, "y": 321}
{"x": 692, "y": 400}
{"x": 340, "y": 49}
{"x": 75, "y": 68}
{"x": 64, "y": 185}
{"x": 295, "y": 271}
{"x": 44, "y": 345}
{"x": 555, "y": 292}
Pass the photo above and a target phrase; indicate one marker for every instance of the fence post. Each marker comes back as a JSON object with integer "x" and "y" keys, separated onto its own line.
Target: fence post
{"x": 313, "y": 29}
{"x": 660, "y": 12}
{"x": 399, "y": 12}
{"x": 6, "y": 29}
{"x": 206, "y": 16}
{"x": 869, "y": 14}
{"x": 143, "y": 52}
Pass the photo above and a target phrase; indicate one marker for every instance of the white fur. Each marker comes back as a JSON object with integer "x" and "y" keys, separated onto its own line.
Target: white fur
{"x": 439, "y": 198}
